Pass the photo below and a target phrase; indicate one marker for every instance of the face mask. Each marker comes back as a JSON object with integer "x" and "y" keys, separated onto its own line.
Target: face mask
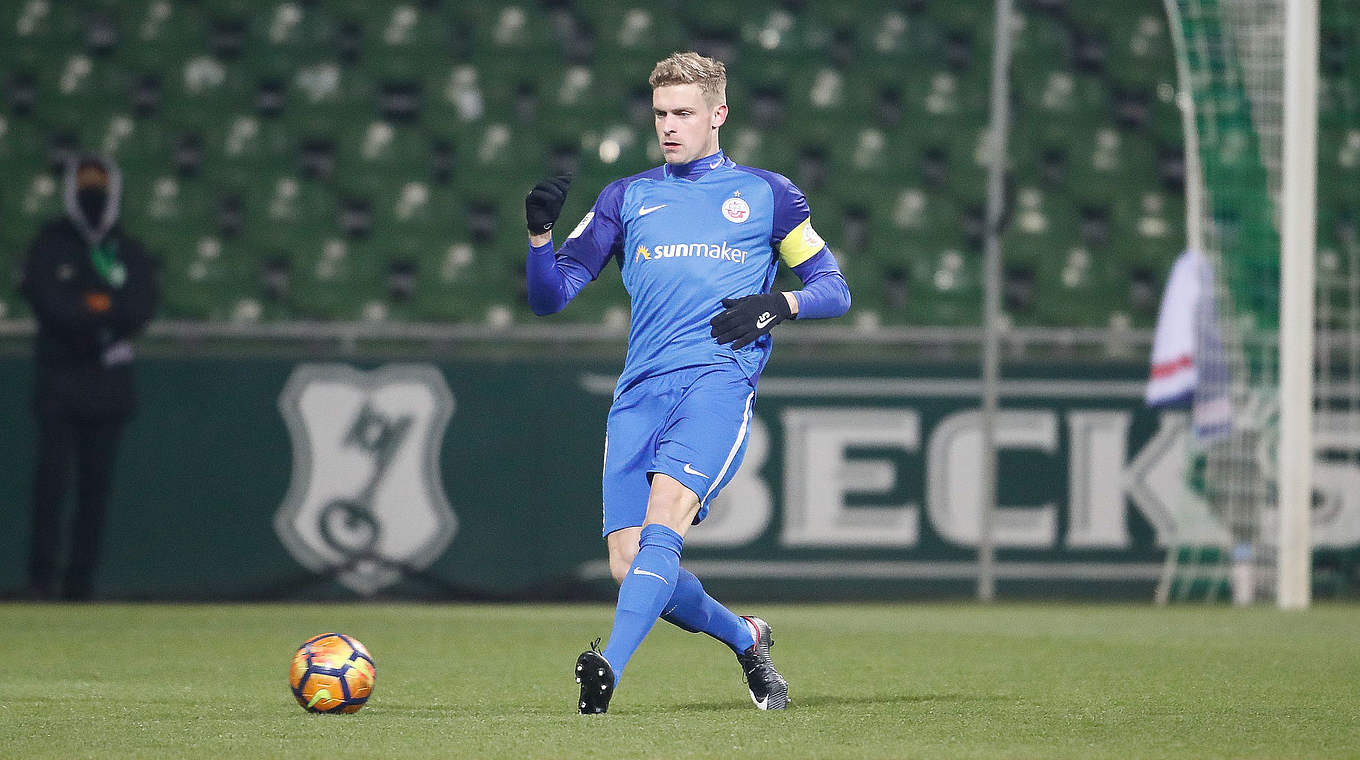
{"x": 92, "y": 202}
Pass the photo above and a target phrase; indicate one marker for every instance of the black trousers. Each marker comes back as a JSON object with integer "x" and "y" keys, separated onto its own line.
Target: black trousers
{"x": 84, "y": 447}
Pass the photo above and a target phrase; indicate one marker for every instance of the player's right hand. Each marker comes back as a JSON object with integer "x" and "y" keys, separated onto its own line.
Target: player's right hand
{"x": 544, "y": 203}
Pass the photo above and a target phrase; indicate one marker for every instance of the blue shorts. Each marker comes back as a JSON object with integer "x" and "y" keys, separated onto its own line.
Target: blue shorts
{"x": 692, "y": 425}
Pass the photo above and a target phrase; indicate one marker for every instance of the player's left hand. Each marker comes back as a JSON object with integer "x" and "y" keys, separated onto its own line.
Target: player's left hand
{"x": 745, "y": 319}
{"x": 544, "y": 204}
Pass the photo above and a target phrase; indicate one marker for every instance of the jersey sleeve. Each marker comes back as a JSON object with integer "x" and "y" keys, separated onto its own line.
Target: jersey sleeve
{"x": 793, "y": 236}
{"x": 825, "y": 293}
{"x": 552, "y": 280}
{"x": 599, "y": 234}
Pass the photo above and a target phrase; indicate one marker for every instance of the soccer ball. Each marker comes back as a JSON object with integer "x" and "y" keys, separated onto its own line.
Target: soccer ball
{"x": 332, "y": 673}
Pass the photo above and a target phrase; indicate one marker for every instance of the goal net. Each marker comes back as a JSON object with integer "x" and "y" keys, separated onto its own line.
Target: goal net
{"x": 1336, "y": 470}
{"x": 1231, "y": 67}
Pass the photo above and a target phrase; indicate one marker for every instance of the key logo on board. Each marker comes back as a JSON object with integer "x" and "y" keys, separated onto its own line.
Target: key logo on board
{"x": 366, "y": 502}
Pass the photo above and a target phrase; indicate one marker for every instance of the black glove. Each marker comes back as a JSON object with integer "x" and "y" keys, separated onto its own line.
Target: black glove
{"x": 544, "y": 203}
{"x": 748, "y": 318}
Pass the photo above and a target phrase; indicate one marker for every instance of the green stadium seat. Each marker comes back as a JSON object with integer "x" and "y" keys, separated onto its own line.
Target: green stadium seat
{"x": 258, "y": 117}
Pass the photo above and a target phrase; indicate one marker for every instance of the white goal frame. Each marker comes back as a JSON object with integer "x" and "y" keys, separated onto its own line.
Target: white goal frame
{"x": 1298, "y": 252}
{"x": 1296, "y": 215}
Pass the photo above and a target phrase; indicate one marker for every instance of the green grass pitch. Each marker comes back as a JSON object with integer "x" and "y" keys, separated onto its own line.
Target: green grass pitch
{"x": 493, "y": 681}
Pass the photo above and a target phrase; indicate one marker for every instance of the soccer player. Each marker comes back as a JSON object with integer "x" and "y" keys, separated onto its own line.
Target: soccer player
{"x": 698, "y": 240}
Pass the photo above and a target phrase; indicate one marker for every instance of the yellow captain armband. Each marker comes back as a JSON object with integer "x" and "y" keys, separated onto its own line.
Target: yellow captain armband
{"x": 801, "y": 244}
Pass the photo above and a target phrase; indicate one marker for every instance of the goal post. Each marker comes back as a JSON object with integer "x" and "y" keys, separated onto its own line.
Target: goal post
{"x": 1298, "y": 247}
{"x": 1247, "y": 72}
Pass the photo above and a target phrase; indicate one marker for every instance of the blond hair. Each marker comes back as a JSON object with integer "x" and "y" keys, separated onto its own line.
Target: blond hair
{"x": 692, "y": 68}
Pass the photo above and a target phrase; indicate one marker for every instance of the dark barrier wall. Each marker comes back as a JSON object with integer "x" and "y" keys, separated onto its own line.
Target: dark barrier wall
{"x": 246, "y": 478}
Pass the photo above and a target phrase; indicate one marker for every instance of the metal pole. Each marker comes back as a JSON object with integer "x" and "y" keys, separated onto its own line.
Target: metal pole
{"x": 1185, "y": 100}
{"x": 991, "y": 314}
{"x": 1194, "y": 225}
{"x": 1298, "y": 236}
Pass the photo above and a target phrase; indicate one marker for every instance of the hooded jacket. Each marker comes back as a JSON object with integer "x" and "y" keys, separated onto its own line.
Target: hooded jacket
{"x": 92, "y": 287}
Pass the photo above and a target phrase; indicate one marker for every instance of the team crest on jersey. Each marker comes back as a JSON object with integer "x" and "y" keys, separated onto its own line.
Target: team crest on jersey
{"x": 736, "y": 210}
{"x": 366, "y": 503}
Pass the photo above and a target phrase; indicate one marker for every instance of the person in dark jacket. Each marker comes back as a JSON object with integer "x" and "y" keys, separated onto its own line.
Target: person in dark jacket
{"x": 92, "y": 288}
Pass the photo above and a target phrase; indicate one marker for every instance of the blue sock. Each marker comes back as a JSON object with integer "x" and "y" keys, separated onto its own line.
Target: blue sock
{"x": 644, "y": 593}
{"x": 692, "y": 609}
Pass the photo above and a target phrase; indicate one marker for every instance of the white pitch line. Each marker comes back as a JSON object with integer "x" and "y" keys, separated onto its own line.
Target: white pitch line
{"x": 884, "y": 387}
{"x": 890, "y": 570}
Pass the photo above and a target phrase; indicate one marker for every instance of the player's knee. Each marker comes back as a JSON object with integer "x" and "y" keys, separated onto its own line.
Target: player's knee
{"x": 671, "y": 504}
{"x": 618, "y": 567}
{"x": 620, "y": 560}
{"x": 623, "y": 548}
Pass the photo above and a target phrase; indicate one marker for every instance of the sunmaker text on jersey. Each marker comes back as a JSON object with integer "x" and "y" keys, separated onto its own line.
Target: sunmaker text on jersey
{"x": 722, "y": 251}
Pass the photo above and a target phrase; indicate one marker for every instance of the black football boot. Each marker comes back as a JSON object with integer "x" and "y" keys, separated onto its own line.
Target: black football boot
{"x": 768, "y": 689}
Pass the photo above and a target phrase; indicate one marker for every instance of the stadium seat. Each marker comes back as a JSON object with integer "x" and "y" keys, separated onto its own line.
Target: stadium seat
{"x": 351, "y": 160}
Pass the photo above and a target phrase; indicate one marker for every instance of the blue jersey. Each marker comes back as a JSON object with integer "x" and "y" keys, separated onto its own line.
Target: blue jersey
{"x": 686, "y": 237}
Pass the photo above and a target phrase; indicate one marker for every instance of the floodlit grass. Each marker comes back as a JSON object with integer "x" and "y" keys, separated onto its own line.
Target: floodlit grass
{"x": 488, "y": 681}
